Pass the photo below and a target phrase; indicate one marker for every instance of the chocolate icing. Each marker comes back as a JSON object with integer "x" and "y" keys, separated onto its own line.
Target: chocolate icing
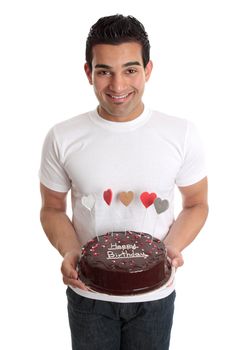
{"x": 124, "y": 263}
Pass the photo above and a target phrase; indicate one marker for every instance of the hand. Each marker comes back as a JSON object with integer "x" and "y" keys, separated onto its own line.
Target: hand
{"x": 175, "y": 256}
{"x": 69, "y": 270}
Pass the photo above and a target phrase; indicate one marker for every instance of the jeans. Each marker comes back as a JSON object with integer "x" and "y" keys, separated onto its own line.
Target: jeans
{"x": 101, "y": 325}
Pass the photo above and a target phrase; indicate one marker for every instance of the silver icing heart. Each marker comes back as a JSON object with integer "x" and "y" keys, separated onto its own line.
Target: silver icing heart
{"x": 161, "y": 205}
{"x": 88, "y": 201}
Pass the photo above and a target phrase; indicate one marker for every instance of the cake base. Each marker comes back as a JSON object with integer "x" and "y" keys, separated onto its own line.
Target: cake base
{"x": 125, "y": 291}
{"x": 124, "y": 263}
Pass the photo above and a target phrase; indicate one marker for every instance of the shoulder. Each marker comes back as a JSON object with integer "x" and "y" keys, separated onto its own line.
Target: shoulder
{"x": 169, "y": 126}
{"x": 71, "y": 125}
{"x": 64, "y": 133}
{"x": 169, "y": 121}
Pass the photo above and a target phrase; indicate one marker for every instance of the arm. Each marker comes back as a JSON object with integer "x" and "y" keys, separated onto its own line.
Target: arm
{"x": 189, "y": 222}
{"x": 61, "y": 233}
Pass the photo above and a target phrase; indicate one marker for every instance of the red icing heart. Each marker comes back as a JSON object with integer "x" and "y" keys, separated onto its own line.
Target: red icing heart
{"x": 108, "y": 196}
{"x": 147, "y": 198}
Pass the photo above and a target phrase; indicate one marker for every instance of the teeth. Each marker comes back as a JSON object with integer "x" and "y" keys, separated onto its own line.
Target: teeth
{"x": 119, "y": 97}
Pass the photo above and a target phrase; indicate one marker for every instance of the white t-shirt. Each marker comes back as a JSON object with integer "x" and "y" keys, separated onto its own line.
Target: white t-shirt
{"x": 151, "y": 153}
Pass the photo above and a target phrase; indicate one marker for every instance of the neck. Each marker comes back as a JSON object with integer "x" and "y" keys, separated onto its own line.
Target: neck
{"x": 120, "y": 117}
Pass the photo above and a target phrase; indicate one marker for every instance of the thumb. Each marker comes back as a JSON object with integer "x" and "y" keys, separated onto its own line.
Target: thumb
{"x": 177, "y": 261}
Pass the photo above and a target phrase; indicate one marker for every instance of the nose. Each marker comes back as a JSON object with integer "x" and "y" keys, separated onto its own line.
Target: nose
{"x": 118, "y": 83}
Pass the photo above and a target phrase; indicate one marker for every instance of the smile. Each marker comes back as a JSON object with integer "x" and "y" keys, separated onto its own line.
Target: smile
{"x": 119, "y": 97}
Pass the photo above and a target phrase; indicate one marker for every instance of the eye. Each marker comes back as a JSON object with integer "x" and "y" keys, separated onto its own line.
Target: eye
{"x": 131, "y": 71}
{"x": 104, "y": 73}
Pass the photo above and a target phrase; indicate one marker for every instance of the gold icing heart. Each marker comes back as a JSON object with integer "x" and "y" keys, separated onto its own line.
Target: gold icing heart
{"x": 126, "y": 197}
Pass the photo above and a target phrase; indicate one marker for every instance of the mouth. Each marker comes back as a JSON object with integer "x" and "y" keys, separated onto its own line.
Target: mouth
{"x": 119, "y": 98}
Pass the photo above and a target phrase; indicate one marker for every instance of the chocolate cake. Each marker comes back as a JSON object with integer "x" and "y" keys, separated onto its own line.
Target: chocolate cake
{"x": 124, "y": 263}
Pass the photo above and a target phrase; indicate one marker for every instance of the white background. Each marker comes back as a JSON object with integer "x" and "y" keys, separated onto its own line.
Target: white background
{"x": 41, "y": 83}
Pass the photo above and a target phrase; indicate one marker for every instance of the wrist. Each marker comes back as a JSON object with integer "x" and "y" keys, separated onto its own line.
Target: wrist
{"x": 74, "y": 251}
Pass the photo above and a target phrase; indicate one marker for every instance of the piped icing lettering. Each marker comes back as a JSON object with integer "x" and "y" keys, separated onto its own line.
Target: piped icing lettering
{"x": 125, "y": 255}
{"x": 127, "y": 251}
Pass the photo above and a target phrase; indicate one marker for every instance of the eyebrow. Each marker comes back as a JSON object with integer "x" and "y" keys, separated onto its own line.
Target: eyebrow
{"x": 131, "y": 63}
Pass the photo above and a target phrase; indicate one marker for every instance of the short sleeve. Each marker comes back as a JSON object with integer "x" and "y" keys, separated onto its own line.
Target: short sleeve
{"x": 52, "y": 173}
{"x": 193, "y": 168}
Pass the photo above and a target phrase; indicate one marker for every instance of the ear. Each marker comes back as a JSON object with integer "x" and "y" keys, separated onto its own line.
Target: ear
{"x": 148, "y": 70}
{"x": 88, "y": 72}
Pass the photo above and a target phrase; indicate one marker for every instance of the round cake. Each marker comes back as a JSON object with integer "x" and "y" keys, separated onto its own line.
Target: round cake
{"x": 124, "y": 263}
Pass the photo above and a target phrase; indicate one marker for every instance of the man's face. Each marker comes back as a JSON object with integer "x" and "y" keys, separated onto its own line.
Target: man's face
{"x": 119, "y": 78}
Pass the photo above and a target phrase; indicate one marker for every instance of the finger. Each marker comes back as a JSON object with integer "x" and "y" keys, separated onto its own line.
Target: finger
{"x": 76, "y": 283}
{"x": 68, "y": 270}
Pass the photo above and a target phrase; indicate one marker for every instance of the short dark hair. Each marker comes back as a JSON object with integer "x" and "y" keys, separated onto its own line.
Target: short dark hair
{"x": 115, "y": 30}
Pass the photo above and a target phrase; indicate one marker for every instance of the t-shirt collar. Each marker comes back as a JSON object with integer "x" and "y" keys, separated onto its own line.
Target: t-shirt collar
{"x": 120, "y": 126}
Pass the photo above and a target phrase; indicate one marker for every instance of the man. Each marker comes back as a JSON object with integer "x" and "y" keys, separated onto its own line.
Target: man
{"x": 123, "y": 146}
